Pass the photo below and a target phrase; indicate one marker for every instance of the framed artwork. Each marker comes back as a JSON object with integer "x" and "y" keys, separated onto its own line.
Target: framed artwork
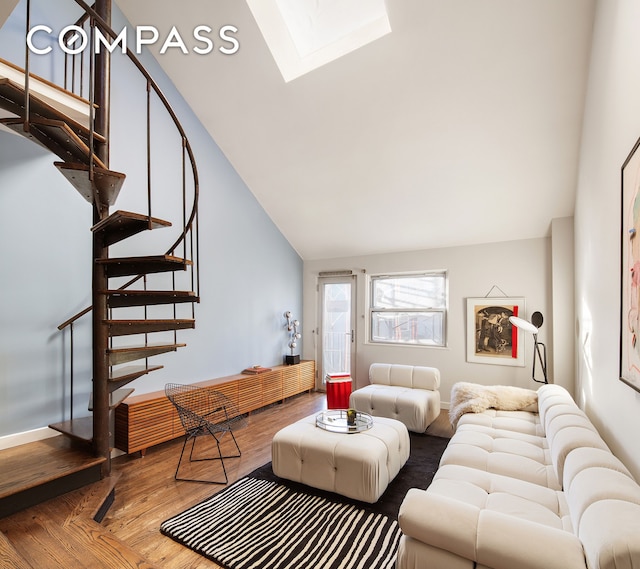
{"x": 630, "y": 271}
{"x": 491, "y": 338}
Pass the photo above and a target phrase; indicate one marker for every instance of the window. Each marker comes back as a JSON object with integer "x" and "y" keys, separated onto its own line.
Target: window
{"x": 409, "y": 309}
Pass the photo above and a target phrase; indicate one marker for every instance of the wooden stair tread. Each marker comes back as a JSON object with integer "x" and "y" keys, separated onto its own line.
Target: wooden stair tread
{"x": 128, "y": 327}
{"x": 27, "y": 466}
{"x": 74, "y": 111}
{"x": 143, "y": 347}
{"x": 121, "y": 225}
{"x": 129, "y": 373}
{"x": 106, "y": 183}
{"x": 123, "y": 266}
{"x": 78, "y": 429}
{"x": 124, "y": 297}
{"x": 131, "y": 353}
{"x": 115, "y": 398}
{"x": 150, "y": 258}
{"x": 57, "y": 136}
{"x": 16, "y": 122}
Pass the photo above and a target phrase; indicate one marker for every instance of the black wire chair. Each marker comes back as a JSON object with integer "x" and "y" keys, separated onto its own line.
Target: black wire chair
{"x": 202, "y": 412}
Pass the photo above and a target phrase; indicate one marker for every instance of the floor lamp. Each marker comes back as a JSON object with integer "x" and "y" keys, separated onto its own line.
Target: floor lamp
{"x": 539, "y": 349}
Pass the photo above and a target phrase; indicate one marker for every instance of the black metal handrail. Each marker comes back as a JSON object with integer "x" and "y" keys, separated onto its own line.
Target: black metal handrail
{"x": 190, "y": 231}
{"x": 76, "y": 76}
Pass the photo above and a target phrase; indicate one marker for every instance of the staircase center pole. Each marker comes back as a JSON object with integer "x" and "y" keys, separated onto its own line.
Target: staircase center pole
{"x": 101, "y": 412}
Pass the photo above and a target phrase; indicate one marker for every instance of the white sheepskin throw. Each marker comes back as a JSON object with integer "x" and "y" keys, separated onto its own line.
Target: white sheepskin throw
{"x": 474, "y": 398}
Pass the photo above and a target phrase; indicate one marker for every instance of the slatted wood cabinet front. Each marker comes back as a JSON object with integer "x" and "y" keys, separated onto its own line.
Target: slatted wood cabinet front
{"x": 145, "y": 420}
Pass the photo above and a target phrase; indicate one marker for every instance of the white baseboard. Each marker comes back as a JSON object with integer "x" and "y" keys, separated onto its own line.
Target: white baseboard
{"x": 17, "y": 439}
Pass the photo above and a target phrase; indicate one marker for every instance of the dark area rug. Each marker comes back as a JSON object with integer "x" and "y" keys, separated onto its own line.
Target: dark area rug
{"x": 418, "y": 472}
{"x": 258, "y": 524}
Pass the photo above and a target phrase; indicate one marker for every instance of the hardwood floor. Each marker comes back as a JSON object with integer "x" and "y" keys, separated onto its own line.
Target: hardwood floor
{"x": 62, "y": 533}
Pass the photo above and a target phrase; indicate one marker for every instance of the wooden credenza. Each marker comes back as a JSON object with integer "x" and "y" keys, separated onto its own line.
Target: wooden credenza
{"x": 145, "y": 420}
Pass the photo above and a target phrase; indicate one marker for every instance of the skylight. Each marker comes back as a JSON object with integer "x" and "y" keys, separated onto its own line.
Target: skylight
{"x": 306, "y": 34}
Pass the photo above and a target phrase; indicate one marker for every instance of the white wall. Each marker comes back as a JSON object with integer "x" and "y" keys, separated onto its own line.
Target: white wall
{"x": 517, "y": 268}
{"x": 563, "y": 287}
{"x": 611, "y": 127}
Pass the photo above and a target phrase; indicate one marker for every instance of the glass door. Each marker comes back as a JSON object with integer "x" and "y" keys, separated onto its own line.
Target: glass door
{"x": 337, "y": 326}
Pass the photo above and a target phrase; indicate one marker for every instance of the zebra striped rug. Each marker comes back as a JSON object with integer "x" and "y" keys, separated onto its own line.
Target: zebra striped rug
{"x": 258, "y": 524}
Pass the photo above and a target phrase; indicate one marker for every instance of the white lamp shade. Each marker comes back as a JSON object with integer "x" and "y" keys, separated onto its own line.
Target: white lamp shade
{"x": 523, "y": 324}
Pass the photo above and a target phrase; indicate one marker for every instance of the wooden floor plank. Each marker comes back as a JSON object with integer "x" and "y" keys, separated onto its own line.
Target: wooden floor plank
{"x": 9, "y": 557}
{"x": 114, "y": 553}
{"x": 39, "y": 541}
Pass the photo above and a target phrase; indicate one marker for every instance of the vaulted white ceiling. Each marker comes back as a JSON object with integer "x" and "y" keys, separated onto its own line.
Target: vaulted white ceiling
{"x": 460, "y": 126}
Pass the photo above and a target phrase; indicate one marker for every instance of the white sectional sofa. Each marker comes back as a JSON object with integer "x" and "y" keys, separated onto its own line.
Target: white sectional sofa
{"x": 524, "y": 490}
{"x": 408, "y": 394}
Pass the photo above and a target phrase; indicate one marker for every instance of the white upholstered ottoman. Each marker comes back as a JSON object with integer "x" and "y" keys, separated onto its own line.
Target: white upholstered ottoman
{"x": 357, "y": 465}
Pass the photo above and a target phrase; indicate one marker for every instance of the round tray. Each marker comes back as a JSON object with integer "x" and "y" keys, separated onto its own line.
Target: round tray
{"x": 335, "y": 420}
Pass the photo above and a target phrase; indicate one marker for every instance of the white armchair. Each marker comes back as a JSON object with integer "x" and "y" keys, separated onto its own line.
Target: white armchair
{"x": 406, "y": 393}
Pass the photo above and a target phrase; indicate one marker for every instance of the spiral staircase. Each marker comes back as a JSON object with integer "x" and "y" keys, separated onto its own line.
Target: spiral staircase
{"x": 76, "y": 128}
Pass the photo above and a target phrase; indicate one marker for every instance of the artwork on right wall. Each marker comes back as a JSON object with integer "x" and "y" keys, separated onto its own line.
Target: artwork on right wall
{"x": 630, "y": 271}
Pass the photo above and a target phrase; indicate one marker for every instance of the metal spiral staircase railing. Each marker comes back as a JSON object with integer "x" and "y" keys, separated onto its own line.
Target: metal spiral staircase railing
{"x": 121, "y": 313}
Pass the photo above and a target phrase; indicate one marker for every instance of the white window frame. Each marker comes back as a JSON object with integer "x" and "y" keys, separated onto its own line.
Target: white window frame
{"x": 373, "y": 310}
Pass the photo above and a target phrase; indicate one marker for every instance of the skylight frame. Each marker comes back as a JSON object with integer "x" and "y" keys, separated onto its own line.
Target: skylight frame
{"x": 364, "y": 21}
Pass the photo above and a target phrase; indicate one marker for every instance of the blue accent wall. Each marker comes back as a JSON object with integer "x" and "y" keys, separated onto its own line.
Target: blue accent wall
{"x": 249, "y": 275}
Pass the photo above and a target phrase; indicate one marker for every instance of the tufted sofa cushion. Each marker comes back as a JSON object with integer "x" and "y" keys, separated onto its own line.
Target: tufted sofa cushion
{"x": 412, "y": 377}
{"x": 408, "y": 394}
{"x": 500, "y": 451}
{"x": 507, "y": 421}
